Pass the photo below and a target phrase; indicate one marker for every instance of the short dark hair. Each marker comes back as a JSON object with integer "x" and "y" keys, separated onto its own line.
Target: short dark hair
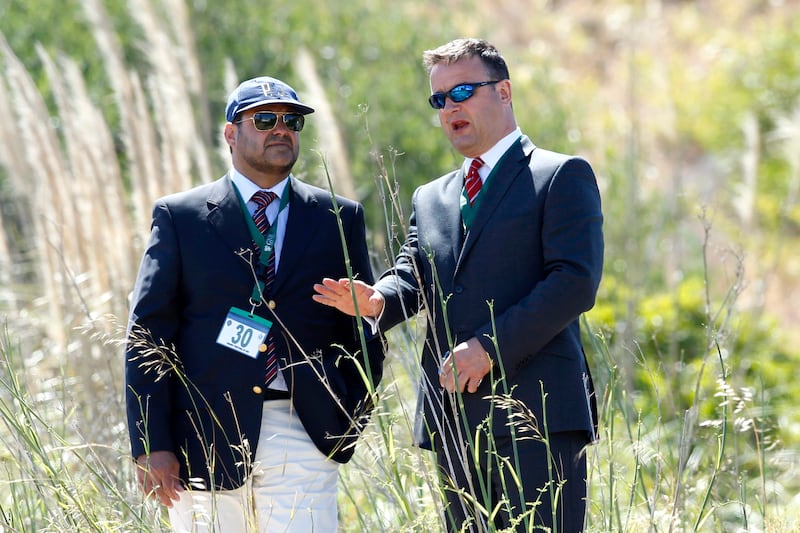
{"x": 459, "y": 49}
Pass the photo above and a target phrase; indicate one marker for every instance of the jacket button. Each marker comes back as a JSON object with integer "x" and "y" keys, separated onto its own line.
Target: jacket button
{"x": 257, "y": 390}
{"x": 459, "y": 289}
{"x": 271, "y": 304}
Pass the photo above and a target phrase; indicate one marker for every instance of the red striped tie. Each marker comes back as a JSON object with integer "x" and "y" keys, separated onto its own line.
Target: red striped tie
{"x": 262, "y": 200}
{"x": 473, "y": 182}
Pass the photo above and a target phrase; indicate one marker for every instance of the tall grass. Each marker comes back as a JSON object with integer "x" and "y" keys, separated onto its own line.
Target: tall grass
{"x": 77, "y": 196}
{"x": 690, "y": 474}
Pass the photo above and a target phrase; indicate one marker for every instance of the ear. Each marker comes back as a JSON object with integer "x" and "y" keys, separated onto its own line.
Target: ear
{"x": 230, "y": 134}
{"x": 504, "y": 90}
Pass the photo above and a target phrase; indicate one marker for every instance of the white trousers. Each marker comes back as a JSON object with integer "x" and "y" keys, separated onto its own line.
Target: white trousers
{"x": 293, "y": 488}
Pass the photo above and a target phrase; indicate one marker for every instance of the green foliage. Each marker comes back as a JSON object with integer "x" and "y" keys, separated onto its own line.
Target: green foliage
{"x": 736, "y": 78}
{"x": 767, "y": 70}
{"x": 682, "y": 341}
{"x": 26, "y": 23}
{"x": 60, "y": 27}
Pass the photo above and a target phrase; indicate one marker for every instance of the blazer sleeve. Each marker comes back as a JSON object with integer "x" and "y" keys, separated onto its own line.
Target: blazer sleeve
{"x": 152, "y": 325}
{"x": 400, "y": 285}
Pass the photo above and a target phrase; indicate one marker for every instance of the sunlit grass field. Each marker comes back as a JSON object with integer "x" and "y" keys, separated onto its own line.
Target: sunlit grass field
{"x": 65, "y": 464}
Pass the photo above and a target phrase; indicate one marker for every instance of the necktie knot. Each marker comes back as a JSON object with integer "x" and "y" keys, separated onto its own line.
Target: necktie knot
{"x": 473, "y": 183}
{"x": 262, "y": 200}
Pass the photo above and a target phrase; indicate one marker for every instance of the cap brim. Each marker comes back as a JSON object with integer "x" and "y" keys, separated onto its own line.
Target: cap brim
{"x": 302, "y": 108}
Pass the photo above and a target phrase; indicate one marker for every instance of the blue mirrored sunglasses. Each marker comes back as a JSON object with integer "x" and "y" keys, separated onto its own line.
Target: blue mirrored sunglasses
{"x": 459, "y": 93}
{"x": 266, "y": 120}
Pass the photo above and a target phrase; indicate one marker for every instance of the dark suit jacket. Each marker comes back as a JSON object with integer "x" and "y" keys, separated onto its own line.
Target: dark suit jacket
{"x": 200, "y": 399}
{"x": 535, "y": 251}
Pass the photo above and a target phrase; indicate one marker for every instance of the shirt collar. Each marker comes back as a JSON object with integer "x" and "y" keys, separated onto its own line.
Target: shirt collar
{"x": 492, "y": 157}
{"x": 247, "y": 188}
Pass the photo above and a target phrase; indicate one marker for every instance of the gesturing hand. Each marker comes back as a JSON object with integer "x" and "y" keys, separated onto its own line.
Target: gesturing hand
{"x": 337, "y": 294}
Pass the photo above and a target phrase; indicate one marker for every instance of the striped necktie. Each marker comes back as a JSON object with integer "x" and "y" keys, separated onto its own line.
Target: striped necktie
{"x": 473, "y": 183}
{"x": 262, "y": 200}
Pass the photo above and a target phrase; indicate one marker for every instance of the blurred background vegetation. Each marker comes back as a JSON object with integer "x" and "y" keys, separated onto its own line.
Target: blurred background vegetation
{"x": 689, "y": 112}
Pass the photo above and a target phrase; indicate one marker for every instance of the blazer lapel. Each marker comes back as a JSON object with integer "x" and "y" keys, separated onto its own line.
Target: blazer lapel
{"x": 226, "y": 217}
{"x": 300, "y": 229}
{"x": 453, "y": 227}
{"x": 509, "y": 169}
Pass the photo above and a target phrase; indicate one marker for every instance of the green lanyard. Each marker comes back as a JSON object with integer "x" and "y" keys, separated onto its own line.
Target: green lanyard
{"x": 266, "y": 243}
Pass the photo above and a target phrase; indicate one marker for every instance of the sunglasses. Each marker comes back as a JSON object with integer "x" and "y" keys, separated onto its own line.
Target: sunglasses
{"x": 459, "y": 93}
{"x": 266, "y": 120}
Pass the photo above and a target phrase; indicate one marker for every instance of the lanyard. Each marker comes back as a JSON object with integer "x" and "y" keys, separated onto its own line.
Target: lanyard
{"x": 266, "y": 243}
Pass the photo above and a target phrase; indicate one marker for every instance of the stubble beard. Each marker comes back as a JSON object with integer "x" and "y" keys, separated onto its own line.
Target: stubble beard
{"x": 271, "y": 165}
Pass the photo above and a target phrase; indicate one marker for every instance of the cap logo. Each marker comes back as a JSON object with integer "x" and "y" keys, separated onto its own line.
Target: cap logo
{"x": 272, "y": 90}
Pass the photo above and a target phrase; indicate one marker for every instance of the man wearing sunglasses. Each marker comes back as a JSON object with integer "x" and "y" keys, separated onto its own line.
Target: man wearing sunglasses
{"x": 243, "y": 394}
{"x": 502, "y": 262}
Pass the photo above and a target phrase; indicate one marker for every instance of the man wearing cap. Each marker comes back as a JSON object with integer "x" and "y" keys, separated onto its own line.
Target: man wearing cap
{"x": 243, "y": 394}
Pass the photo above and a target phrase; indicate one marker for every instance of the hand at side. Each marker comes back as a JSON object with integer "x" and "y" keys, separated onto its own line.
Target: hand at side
{"x": 465, "y": 367}
{"x": 158, "y": 476}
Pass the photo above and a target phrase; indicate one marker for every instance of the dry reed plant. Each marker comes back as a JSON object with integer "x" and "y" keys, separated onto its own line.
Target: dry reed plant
{"x": 185, "y": 161}
{"x": 165, "y": 146}
{"x": 137, "y": 130}
{"x": 331, "y": 141}
{"x": 99, "y": 223}
{"x": 65, "y": 164}
{"x": 41, "y": 182}
{"x": 84, "y": 218}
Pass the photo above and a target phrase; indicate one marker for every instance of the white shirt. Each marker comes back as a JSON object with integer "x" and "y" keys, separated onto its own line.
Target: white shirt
{"x": 492, "y": 157}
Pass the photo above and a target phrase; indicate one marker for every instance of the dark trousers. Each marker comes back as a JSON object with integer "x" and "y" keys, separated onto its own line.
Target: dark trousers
{"x": 512, "y": 481}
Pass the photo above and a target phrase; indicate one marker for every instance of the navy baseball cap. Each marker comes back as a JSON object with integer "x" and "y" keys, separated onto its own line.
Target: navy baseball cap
{"x": 260, "y": 91}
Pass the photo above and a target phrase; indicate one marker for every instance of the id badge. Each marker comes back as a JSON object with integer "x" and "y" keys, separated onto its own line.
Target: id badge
{"x": 244, "y": 332}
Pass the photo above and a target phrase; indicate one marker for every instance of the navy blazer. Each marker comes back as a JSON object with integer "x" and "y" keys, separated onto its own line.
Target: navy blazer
{"x": 519, "y": 281}
{"x": 201, "y": 400}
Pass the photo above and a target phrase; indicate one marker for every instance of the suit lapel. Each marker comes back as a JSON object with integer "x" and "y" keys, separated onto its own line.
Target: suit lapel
{"x": 301, "y": 227}
{"x": 509, "y": 169}
{"x": 453, "y": 227}
{"x": 226, "y": 217}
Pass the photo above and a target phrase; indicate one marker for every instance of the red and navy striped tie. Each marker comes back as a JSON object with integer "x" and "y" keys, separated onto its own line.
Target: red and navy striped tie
{"x": 262, "y": 200}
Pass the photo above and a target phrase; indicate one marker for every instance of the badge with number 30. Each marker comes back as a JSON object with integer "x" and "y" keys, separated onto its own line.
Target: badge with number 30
{"x": 244, "y": 332}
